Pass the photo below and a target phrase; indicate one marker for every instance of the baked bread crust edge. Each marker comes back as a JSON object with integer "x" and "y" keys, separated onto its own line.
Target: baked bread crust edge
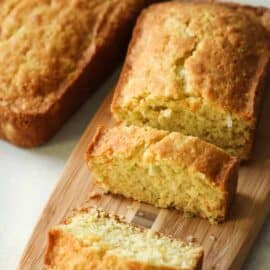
{"x": 32, "y": 129}
{"x": 255, "y": 102}
{"x": 227, "y": 182}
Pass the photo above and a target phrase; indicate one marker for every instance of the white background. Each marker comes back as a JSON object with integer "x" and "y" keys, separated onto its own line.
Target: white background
{"x": 27, "y": 177}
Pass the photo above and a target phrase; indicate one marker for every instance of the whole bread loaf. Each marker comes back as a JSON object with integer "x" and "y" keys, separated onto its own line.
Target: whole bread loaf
{"x": 53, "y": 54}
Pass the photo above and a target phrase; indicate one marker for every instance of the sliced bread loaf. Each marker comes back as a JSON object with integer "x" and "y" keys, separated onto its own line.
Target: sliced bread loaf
{"x": 197, "y": 68}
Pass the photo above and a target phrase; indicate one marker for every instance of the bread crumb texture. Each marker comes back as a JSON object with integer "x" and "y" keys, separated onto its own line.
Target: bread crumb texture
{"x": 194, "y": 68}
{"x": 41, "y": 45}
{"x": 94, "y": 240}
{"x": 164, "y": 169}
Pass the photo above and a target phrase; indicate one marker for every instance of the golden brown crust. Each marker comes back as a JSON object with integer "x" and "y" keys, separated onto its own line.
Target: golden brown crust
{"x": 34, "y": 124}
{"x": 100, "y": 129}
{"x": 230, "y": 186}
{"x": 89, "y": 259}
{"x": 189, "y": 151}
{"x": 260, "y": 79}
{"x": 229, "y": 74}
{"x": 178, "y": 150}
{"x": 243, "y": 72}
{"x": 63, "y": 249}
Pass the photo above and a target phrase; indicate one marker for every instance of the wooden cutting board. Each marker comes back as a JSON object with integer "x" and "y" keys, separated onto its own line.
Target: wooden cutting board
{"x": 226, "y": 246}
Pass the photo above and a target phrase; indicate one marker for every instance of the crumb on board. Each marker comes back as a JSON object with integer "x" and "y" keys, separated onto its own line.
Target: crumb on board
{"x": 188, "y": 215}
{"x": 212, "y": 237}
{"x": 96, "y": 194}
{"x": 140, "y": 214}
{"x": 190, "y": 238}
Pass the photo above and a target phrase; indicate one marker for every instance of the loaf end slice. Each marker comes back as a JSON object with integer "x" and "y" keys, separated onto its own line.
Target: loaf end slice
{"x": 94, "y": 240}
{"x": 166, "y": 169}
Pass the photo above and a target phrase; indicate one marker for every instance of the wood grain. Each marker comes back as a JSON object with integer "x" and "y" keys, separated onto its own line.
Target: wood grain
{"x": 226, "y": 245}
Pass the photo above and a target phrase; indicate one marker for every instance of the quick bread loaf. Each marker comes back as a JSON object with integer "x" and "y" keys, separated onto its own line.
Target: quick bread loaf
{"x": 198, "y": 68}
{"x": 53, "y": 54}
{"x": 192, "y": 69}
{"x": 94, "y": 240}
{"x": 164, "y": 169}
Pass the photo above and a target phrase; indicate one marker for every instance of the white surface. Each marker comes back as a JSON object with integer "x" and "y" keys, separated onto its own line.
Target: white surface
{"x": 27, "y": 177}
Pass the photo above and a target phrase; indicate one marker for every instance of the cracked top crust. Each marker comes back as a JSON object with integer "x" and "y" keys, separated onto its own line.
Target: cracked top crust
{"x": 212, "y": 53}
{"x": 43, "y": 47}
{"x": 160, "y": 145}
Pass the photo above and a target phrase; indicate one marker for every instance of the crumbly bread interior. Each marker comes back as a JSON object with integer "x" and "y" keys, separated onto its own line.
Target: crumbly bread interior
{"x": 164, "y": 169}
{"x": 110, "y": 237}
{"x": 193, "y": 67}
{"x": 213, "y": 125}
{"x": 161, "y": 185}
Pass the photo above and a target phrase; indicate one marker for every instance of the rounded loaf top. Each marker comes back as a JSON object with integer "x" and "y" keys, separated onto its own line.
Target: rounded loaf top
{"x": 197, "y": 52}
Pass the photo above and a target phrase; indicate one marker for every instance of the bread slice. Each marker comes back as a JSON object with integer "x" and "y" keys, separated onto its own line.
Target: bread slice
{"x": 53, "y": 54}
{"x": 164, "y": 169}
{"x": 198, "y": 68}
{"x": 94, "y": 240}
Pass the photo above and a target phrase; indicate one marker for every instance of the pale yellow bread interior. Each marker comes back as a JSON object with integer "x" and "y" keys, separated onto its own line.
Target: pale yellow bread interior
{"x": 94, "y": 240}
{"x": 164, "y": 169}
